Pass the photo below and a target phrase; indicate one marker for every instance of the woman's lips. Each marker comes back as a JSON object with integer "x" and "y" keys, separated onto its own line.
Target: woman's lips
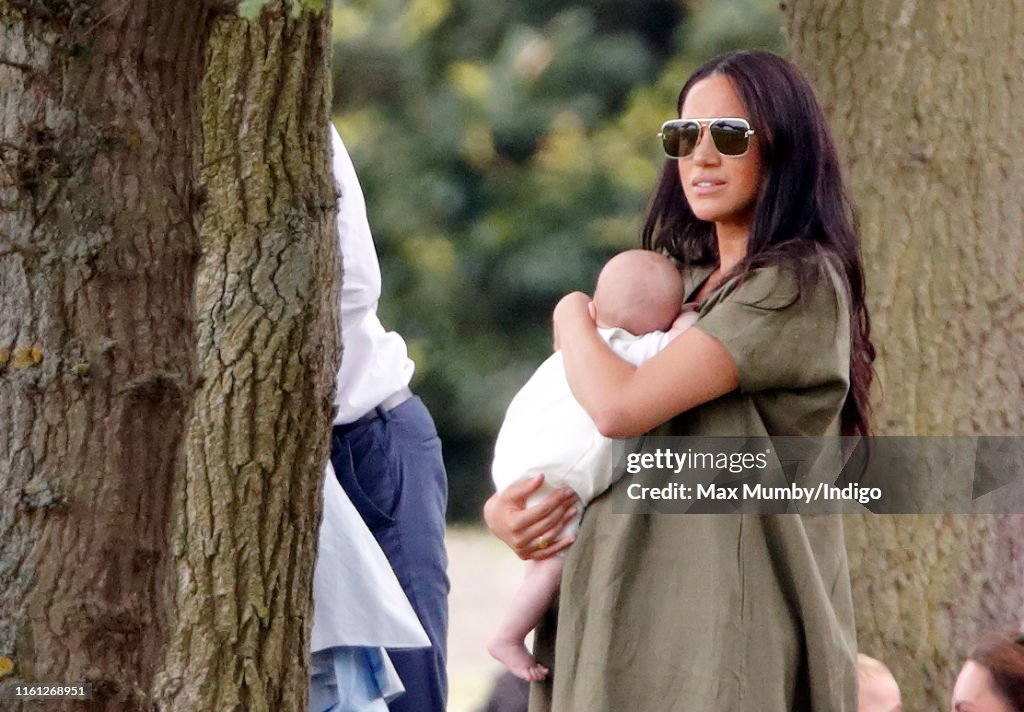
{"x": 706, "y": 186}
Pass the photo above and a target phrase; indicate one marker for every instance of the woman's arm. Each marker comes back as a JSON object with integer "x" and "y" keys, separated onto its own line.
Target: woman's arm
{"x": 625, "y": 400}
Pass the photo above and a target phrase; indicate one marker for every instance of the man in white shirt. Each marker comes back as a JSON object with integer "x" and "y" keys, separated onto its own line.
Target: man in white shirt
{"x": 385, "y": 450}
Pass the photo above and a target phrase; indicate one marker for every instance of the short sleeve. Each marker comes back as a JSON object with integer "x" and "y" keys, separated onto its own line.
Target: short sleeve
{"x": 777, "y": 340}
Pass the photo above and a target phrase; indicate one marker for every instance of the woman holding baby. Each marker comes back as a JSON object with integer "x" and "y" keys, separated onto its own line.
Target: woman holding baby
{"x": 730, "y": 613}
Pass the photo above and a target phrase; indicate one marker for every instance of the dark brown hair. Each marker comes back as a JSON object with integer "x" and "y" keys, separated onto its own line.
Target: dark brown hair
{"x": 1002, "y": 654}
{"x": 802, "y": 216}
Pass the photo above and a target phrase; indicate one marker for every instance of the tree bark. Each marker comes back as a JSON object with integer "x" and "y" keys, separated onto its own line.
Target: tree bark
{"x": 167, "y": 348}
{"x": 98, "y": 242}
{"x": 267, "y": 342}
{"x": 923, "y": 109}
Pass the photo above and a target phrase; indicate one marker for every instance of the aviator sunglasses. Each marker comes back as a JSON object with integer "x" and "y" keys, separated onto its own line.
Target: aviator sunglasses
{"x": 681, "y": 136}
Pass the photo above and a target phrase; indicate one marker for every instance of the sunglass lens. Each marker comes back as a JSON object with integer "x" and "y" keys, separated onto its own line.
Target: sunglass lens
{"x": 730, "y": 136}
{"x": 679, "y": 138}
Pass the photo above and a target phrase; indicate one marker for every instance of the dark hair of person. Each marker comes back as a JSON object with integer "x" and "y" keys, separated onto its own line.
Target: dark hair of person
{"x": 1002, "y": 654}
{"x": 802, "y": 210}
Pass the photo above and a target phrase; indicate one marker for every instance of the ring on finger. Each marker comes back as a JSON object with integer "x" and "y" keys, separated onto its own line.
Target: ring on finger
{"x": 542, "y": 543}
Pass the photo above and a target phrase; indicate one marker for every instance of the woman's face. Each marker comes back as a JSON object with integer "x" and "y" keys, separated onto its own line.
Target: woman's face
{"x": 720, "y": 189}
{"x": 975, "y": 691}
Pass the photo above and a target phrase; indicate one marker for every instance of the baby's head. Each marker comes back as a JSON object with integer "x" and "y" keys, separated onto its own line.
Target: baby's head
{"x": 878, "y": 689}
{"x": 639, "y": 291}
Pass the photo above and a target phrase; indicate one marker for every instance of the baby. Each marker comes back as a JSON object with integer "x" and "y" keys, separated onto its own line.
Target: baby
{"x": 637, "y": 303}
{"x": 879, "y": 691}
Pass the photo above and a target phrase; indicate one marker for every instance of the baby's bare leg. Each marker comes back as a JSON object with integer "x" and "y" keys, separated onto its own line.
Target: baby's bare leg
{"x": 533, "y": 597}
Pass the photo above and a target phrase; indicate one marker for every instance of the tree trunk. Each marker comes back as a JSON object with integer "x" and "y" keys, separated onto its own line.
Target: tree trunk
{"x": 137, "y": 539}
{"x": 268, "y": 345}
{"x": 923, "y": 110}
{"x": 98, "y": 243}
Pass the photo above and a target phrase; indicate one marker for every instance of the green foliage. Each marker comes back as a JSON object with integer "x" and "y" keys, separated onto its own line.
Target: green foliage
{"x": 718, "y": 27}
{"x": 251, "y": 9}
{"x": 506, "y": 149}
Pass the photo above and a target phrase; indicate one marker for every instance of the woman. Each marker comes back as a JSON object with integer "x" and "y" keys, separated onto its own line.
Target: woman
{"x": 992, "y": 679}
{"x": 719, "y": 612}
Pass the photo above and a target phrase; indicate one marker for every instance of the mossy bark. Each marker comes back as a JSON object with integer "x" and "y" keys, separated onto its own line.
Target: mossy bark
{"x": 267, "y": 344}
{"x": 99, "y": 223}
{"x": 168, "y": 341}
{"x": 924, "y": 112}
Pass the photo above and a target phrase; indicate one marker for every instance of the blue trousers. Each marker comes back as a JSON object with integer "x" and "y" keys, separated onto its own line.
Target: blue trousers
{"x": 392, "y": 470}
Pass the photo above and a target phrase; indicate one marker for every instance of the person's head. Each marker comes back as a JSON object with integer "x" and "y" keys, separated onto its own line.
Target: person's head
{"x": 785, "y": 188}
{"x": 639, "y": 291}
{"x": 788, "y": 179}
{"x": 879, "y": 691}
{"x": 719, "y": 161}
{"x": 992, "y": 679}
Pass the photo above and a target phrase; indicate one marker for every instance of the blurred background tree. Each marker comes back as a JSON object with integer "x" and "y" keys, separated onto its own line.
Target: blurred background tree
{"x": 506, "y": 149}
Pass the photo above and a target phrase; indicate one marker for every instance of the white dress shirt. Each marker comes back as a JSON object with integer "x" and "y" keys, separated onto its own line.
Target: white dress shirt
{"x": 375, "y": 363}
{"x": 357, "y": 601}
{"x": 356, "y": 598}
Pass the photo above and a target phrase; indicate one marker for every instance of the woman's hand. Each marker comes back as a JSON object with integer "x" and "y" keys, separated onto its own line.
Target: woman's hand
{"x": 530, "y": 531}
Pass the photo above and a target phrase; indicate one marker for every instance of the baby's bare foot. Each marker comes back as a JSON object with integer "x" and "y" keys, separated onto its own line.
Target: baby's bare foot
{"x": 514, "y": 655}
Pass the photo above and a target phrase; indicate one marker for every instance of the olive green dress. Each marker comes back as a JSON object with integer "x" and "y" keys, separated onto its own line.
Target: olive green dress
{"x": 730, "y": 612}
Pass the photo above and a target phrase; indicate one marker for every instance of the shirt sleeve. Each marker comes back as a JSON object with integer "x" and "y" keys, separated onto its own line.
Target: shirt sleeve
{"x": 779, "y": 340}
{"x": 360, "y": 288}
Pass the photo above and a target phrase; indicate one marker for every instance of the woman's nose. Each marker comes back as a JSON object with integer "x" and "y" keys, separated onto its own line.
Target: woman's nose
{"x": 705, "y": 152}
